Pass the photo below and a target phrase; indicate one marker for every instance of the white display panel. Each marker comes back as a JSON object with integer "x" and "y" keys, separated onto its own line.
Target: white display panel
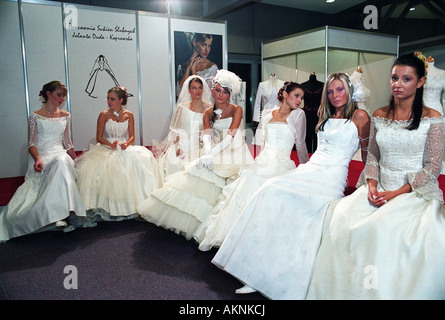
{"x": 285, "y": 68}
{"x": 101, "y": 54}
{"x": 13, "y": 114}
{"x": 155, "y": 77}
{"x": 44, "y": 55}
{"x": 125, "y": 47}
{"x": 342, "y": 50}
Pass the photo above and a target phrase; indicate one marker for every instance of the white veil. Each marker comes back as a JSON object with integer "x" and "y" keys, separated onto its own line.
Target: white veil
{"x": 183, "y": 102}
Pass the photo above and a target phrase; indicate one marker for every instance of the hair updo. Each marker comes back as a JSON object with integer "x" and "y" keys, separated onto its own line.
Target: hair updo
{"x": 121, "y": 93}
{"x": 288, "y": 86}
{"x": 51, "y": 87}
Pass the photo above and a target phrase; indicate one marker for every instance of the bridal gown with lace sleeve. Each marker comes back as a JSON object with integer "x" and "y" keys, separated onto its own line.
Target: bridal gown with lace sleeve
{"x": 49, "y": 196}
{"x": 395, "y": 251}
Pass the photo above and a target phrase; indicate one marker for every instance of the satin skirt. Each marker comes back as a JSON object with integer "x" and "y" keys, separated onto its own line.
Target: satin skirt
{"x": 396, "y": 251}
{"x": 273, "y": 244}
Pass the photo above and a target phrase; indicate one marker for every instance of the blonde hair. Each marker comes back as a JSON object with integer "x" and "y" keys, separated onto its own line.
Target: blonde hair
{"x": 327, "y": 110}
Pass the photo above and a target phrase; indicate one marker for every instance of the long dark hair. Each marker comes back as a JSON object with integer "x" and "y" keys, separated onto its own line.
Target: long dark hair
{"x": 412, "y": 61}
{"x": 213, "y": 118}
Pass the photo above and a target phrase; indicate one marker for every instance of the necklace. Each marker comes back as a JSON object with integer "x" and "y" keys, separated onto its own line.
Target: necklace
{"x": 51, "y": 113}
{"x": 117, "y": 114}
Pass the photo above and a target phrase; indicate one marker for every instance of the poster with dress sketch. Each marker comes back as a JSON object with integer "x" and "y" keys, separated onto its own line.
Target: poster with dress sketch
{"x": 197, "y": 53}
{"x": 102, "y": 53}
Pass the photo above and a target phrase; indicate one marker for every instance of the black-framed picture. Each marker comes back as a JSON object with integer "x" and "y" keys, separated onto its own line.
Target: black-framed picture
{"x": 197, "y": 53}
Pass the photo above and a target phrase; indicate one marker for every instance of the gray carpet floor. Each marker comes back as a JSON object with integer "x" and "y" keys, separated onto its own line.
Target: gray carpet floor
{"x": 128, "y": 260}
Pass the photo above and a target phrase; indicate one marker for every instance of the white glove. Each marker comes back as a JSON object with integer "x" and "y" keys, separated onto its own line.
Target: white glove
{"x": 222, "y": 145}
{"x": 207, "y": 143}
{"x": 207, "y": 159}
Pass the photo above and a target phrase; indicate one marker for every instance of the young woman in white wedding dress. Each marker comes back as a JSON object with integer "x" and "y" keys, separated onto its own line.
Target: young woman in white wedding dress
{"x": 188, "y": 196}
{"x": 387, "y": 239}
{"x": 282, "y": 126}
{"x": 182, "y": 144}
{"x": 48, "y": 199}
{"x": 115, "y": 175}
{"x": 272, "y": 246}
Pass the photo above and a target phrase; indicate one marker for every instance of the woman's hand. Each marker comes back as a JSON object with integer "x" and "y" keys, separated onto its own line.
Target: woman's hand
{"x": 194, "y": 59}
{"x": 114, "y": 145}
{"x": 373, "y": 195}
{"x": 380, "y": 198}
{"x": 38, "y": 165}
{"x": 123, "y": 146}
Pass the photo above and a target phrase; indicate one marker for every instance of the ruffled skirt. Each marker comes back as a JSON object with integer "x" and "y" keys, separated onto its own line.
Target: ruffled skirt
{"x": 113, "y": 182}
{"x": 184, "y": 201}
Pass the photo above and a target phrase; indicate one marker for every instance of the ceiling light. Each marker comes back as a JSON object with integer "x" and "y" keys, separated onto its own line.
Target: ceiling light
{"x": 412, "y": 9}
{"x": 330, "y": 1}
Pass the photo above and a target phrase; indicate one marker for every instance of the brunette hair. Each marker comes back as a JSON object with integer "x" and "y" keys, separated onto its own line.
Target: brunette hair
{"x": 201, "y": 37}
{"x": 412, "y": 61}
{"x": 121, "y": 93}
{"x": 195, "y": 79}
{"x": 288, "y": 86}
{"x": 51, "y": 87}
{"x": 213, "y": 118}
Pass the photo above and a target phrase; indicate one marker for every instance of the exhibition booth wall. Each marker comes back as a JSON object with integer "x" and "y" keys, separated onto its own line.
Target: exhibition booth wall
{"x": 91, "y": 49}
{"x": 326, "y": 50}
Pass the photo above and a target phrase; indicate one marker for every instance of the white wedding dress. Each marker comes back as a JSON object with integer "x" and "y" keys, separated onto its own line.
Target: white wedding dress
{"x": 273, "y": 245}
{"x": 189, "y": 196}
{"x": 49, "y": 196}
{"x": 273, "y": 160}
{"x": 188, "y": 129}
{"x": 396, "y": 251}
{"x": 112, "y": 182}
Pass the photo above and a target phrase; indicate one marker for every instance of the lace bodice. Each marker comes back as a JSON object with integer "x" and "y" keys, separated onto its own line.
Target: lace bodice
{"x": 432, "y": 93}
{"x": 49, "y": 134}
{"x": 208, "y": 74}
{"x": 116, "y": 131}
{"x": 337, "y": 143}
{"x": 283, "y": 138}
{"x": 397, "y": 156}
